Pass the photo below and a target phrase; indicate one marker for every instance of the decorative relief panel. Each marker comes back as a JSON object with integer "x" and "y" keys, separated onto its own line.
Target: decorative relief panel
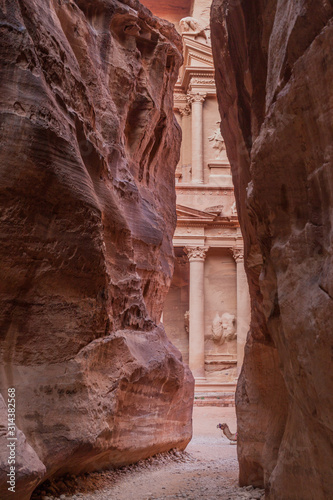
{"x": 224, "y": 328}
{"x": 203, "y": 81}
{"x": 217, "y": 142}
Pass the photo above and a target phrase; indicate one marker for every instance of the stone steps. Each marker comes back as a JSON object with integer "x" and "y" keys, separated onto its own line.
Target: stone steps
{"x": 221, "y": 400}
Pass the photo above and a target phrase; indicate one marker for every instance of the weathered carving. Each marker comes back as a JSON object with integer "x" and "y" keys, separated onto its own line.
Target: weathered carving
{"x": 187, "y": 321}
{"x": 238, "y": 254}
{"x": 217, "y": 142}
{"x": 229, "y": 326}
{"x": 197, "y": 97}
{"x": 191, "y": 25}
{"x": 196, "y": 253}
{"x": 216, "y": 209}
{"x": 179, "y": 97}
{"x": 185, "y": 111}
{"x": 224, "y": 328}
{"x": 181, "y": 103}
{"x": 217, "y": 328}
{"x": 202, "y": 81}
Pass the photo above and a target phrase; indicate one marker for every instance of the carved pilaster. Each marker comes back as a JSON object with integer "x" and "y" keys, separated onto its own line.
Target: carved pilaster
{"x": 243, "y": 304}
{"x": 197, "y": 100}
{"x": 197, "y": 257}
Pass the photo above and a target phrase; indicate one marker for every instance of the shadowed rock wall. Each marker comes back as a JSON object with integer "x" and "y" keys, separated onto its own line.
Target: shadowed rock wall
{"x": 274, "y": 70}
{"x": 89, "y": 145}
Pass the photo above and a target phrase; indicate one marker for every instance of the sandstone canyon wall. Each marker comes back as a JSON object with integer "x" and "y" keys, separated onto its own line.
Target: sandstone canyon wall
{"x": 89, "y": 146}
{"x": 274, "y": 73}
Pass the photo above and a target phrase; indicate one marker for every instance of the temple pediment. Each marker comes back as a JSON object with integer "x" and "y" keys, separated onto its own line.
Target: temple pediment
{"x": 187, "y": 213}
{"x": 197, "y": 53}
{"x": 198, "y": 68}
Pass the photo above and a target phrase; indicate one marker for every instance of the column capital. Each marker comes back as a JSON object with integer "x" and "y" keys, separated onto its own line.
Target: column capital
{"x": 196, "y": 97}
{"x": 185, "y": 110}
{"x": 196, "y": 253}
{"x": 238, "y": 254}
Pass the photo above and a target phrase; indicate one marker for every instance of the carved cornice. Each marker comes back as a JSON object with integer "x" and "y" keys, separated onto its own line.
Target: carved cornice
{"x": 197, "y": 78}
{"x": 179, "y": 97}
{"x": 196, "y": 253}
{"x": 201, "y": 73}
{"x": 197, "y": 84}
{"x": 208, "y": 188}
{"x": 198, "y": 57}
{"x": 202, "y": 81}
{"x": 203, "y": 223}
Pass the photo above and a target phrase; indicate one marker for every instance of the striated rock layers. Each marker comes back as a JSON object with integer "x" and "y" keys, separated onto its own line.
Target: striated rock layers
{"x": 89, "y": 146}
{"x": 274, "y": 73}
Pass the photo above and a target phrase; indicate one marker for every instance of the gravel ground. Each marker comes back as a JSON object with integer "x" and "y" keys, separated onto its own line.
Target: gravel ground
{"x": 208, "y": 469}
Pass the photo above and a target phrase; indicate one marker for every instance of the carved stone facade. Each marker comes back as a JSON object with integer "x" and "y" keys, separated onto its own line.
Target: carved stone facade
{"x": 213, "y": 286}
{"x": 209, "y": 279}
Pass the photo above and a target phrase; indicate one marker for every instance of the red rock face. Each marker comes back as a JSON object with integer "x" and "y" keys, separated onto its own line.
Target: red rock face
{"x": 274, "y": 68}
{"x": 89, "y": 146}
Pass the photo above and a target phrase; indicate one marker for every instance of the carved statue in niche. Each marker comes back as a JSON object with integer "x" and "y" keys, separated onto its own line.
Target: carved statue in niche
{"x": 191, "y": 25}
{"x": 187, "y": 321}
{"x": 218, "y": 141}
{"x": 224, "y": 328}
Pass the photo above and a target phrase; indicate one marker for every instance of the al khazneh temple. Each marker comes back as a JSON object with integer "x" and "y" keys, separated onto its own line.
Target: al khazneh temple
{"x": 207, "y": 309}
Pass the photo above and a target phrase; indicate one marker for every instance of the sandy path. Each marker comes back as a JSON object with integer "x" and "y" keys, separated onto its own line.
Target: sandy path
{"x": 207, "y": 470}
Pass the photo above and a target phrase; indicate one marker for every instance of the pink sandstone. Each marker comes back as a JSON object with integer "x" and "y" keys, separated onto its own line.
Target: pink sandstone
{"x": 89, "y": 146}
{"x": 274, "y": 73}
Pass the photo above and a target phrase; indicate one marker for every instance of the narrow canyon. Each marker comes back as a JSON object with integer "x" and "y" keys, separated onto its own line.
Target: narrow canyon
{"x": 159, "y": 178}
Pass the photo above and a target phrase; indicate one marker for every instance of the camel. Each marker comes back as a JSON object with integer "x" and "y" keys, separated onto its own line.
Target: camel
{"x": 226, "y": 431}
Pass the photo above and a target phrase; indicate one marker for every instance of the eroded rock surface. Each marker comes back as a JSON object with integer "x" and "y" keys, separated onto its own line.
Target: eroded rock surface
{"x": 89, "y": 146}
{"x": 274, "y": 68}
{"x": 17, "y": 460}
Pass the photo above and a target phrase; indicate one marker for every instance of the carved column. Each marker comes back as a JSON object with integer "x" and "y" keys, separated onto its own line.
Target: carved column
{"x": 185, "y": 113}
{"x": 197, "y": 101}
{"x": 197, "y": 257}
{"x": 243, "y": 306}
